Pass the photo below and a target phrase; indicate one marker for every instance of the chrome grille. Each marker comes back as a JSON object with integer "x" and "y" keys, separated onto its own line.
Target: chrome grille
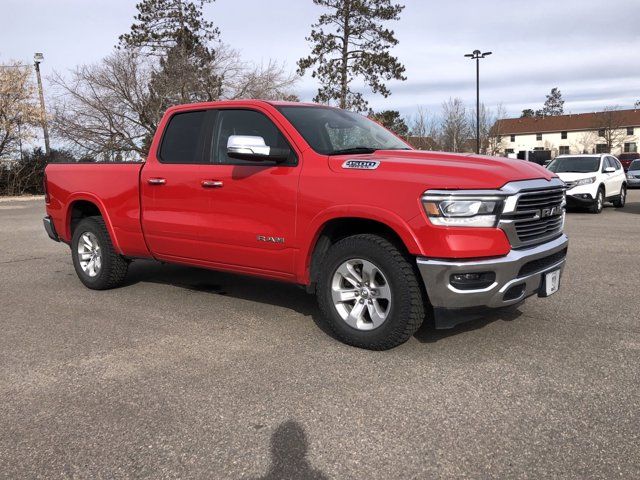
{"x": 539, "y": 215}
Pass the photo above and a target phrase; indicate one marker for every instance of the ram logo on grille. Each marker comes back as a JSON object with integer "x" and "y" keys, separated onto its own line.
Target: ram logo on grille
{"x": 550, "y": 212}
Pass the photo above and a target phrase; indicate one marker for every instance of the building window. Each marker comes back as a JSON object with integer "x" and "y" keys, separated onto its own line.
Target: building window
{"x": 601, "y": 132}
{"x": 564, "y": 150}
{"x": 602, "y": 148}
{"x": 508, "y": 151}
{"x": 538, "y": 136}
{"x": 630, "y": 147}
{"x": 513, "y": 138}
{"x": 629, "y": 130}
{"x": 563, "y": 135}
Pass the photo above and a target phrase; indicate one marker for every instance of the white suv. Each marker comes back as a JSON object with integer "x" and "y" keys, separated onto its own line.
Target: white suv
{"x": 591, "y": 180}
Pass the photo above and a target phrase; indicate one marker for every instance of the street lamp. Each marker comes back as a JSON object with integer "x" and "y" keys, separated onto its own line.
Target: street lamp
{"x": 37, "y": 58}
{"x": 477, "y": 55}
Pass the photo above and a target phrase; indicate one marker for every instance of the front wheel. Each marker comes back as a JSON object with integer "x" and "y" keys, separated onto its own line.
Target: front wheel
{"x": 622, "y": 198}
{"x": 598, "y": 203}
{"x": 369, "y": 293}
{"x": 95, "y": 260}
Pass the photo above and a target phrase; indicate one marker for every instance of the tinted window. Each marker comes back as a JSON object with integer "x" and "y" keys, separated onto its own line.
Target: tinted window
{"x": 635, "y": 165}
{"x": 183, "y": 137}
{"x": 575, "y": 164}
{"x": 246, "y": 122}
{"x": 331, "y": 130}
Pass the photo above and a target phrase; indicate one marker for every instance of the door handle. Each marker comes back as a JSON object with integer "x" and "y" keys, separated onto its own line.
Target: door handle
{"x": 156, "y": 181}
{"x": 212, "y": 184}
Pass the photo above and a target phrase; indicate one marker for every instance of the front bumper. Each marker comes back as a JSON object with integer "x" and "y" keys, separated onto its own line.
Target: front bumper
{"x": 580, "y": 200}
{"x": 50, "y": 228}
{"x": 518, "y": 275}
{"x": 633, "y": 182}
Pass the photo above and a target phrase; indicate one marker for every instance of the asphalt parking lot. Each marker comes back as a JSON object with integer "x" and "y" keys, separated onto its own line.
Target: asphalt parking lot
{"x": 189, "y": 373}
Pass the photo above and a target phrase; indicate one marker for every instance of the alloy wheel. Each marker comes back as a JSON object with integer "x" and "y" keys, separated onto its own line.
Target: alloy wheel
{"x": 361, "y": 294}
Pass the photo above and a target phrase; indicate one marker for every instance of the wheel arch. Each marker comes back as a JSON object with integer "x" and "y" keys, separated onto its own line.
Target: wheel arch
{"x": 87, "y": 205}
{"x": 329, "y": 228}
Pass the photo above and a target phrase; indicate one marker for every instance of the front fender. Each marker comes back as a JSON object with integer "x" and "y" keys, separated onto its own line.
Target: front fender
{"x": 365, "y": 212}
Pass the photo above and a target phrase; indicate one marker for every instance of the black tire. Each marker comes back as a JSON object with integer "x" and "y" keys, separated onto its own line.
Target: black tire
{"x": 113, "y": 267}
{"x": 406, "y": 308}
{"x": 598, "y": 202}
{"x": 621, "y": 199}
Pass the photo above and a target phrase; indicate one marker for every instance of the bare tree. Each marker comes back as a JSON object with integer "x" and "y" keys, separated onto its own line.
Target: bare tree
{"x": 495, "y": 140}
{"x": 424, "y": 130}
{"x": 270, "y": 81}
{"x": 107, "y": 109}
{"x": 609, "y": 126}
{"x": 487, "y": 119}
{"x": 585, "y": 143}
{"x": 19, "y": 111}
{"x": 110, "y": 110}
{"x": 456, "y": 129}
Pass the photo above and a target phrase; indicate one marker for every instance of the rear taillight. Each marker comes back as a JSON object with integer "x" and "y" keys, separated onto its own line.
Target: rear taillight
{"x": 45, "y": 189}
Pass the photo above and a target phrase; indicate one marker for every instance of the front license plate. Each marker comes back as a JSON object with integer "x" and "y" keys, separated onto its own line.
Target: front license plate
{"x": 551, "y": 283}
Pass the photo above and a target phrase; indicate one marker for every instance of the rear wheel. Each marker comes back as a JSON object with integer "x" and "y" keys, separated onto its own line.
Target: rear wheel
{"x": 622, "y": 198}
{"x": 369, "y": 293}
{"x": 598, "y": 202}
{"x": 95, "y": 260}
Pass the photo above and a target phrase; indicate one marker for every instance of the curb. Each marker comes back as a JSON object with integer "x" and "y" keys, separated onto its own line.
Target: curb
{"x": 22, "y": 198}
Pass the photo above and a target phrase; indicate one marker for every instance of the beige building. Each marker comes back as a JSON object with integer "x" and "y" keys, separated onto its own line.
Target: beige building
{"x": 615, "y": 131}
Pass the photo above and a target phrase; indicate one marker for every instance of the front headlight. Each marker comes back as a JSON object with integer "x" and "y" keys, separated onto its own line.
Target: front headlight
{"x": 584, "y": 181}
{"x": 460, "y": 210}
{"x": 629, "y": 176}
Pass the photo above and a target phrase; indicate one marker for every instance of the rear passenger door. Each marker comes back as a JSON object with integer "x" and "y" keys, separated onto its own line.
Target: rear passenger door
{"x": 170, "y": 187}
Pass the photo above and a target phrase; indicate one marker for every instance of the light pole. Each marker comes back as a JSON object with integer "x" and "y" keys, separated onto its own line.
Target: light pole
{"x": 37, "y": 58}
{"x": 477, "y": 55}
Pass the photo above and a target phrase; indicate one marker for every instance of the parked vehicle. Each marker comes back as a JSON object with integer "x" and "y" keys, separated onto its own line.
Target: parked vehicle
{"x": 627, "y": 158}
{"x": 633, "y": 174}
{"x": 384, "y": 235}
{"x": 591, "y": 180}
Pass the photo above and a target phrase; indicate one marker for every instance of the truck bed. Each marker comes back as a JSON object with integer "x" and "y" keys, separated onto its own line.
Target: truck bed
{"x": 113, "y": 187}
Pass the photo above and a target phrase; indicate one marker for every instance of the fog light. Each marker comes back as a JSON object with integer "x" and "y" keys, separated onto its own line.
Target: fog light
{"x": 472, "y": 281}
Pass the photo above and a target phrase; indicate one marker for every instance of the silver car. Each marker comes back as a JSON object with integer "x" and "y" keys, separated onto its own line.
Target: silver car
{"x": 633, "y": 174}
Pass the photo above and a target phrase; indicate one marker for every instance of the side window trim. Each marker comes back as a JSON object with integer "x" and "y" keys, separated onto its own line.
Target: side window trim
{"x": 213, "y": 160}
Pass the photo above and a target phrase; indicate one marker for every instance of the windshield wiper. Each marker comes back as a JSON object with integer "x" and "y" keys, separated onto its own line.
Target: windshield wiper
{"x": 346, "y": 151}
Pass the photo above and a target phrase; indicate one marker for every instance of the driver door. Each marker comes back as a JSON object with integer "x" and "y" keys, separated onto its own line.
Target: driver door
{"x": 250, "y": 213}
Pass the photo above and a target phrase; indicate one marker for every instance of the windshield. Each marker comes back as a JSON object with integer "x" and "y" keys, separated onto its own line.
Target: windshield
{"x": 332, "y": 131}
{"x": 635, "y": 165}
{"x": 575, "y": 164}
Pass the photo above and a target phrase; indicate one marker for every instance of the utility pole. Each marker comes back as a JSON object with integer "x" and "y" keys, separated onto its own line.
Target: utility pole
{"x": 477, "y": 55}
{"x": 37, "y": 58}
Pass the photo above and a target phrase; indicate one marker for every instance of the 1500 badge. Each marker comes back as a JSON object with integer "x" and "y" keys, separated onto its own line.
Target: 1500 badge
{"x": 361, "y": 164}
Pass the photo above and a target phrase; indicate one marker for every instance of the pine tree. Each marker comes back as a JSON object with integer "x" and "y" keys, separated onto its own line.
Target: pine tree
{"x": 177, "y": 33}
{"x": 528, "y": 113}
{"x": 164, "y": 24}
{"x": 349, "y": 42}
{"x": 554, "y": 103}
{"x": 391, "y": 120}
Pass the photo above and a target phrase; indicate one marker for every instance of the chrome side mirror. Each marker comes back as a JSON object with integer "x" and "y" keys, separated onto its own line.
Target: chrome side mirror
{"x": 247, "y": 145}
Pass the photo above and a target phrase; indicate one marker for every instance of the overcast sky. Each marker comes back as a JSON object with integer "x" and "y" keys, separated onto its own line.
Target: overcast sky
{"x": 590, "y": 49}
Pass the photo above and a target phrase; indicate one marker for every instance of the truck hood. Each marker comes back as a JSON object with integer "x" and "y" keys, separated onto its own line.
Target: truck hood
{"x": 442, "y": 170}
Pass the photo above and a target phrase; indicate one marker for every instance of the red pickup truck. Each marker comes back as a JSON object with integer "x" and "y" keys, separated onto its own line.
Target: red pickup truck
{"x": 383, "y": 234}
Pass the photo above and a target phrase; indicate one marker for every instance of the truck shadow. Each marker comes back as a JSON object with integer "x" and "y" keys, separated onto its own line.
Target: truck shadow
{"x": 427, "y": 332}
{"x": 279, "y": 294}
